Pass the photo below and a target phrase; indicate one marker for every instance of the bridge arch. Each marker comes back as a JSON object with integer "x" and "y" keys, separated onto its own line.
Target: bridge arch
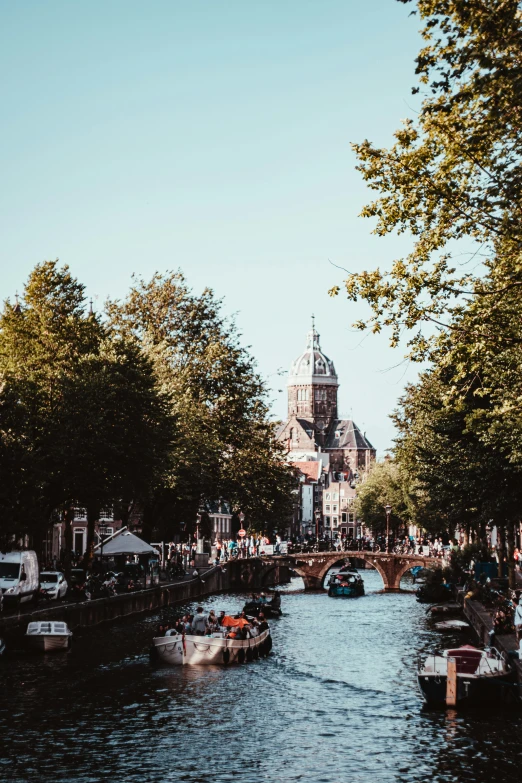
{"x": 408, "y": 566}
{"x": 312, "y": 567}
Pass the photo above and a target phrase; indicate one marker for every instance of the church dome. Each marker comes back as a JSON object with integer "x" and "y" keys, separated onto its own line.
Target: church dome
{"x": 312, "y": 367}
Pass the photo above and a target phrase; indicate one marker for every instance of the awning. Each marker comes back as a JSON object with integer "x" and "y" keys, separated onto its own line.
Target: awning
{"x": 125, "y": 543}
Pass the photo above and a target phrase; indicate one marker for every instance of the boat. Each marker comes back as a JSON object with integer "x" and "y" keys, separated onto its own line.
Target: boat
{"x": 346, "y": 583}
{"x": 270, "y": 608}
{"x": 184, "y": 649}
{"x": 49, "y": 636}
{"x": 476, "y": 677}
{"x": 452, "y": 625}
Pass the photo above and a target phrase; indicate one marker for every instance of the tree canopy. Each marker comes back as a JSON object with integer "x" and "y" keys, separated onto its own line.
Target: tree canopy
{"x": 155, "y": 405}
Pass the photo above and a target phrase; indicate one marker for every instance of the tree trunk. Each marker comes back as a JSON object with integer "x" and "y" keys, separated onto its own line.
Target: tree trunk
{"x": 68, "y": 516}
{"x": 510, "y": 540}
{"x": 93, "y": 514}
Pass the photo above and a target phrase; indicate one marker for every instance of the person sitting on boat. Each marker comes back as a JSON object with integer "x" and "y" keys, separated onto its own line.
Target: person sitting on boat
{"x": 263, "y": 625}
{"x": 262, "y": 598}
{"x": 199, "y": 623}
{"x": 212, "y": 622}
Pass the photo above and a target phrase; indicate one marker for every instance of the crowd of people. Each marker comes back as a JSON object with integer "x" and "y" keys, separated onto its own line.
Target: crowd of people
{"x": 221, "y": 625}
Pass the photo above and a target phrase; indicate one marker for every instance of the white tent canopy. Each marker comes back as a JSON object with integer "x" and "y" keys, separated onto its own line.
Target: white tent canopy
{"x": 124, "y": 543}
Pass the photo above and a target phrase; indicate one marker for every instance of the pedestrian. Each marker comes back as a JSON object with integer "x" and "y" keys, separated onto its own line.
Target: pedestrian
{"x": 518, "y": 619}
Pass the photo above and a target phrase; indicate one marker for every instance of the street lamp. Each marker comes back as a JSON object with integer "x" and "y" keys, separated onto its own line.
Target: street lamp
{"x": 317, "y": 518}
{"x": 388, "y": 509}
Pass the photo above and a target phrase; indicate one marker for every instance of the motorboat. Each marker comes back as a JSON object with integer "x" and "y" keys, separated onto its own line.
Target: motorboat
{"x": 468, "y": 676}
{"x": 346, "y": 583}
{"x": 260, "y": 605}
{"x": 452, "y": 625}
{"x": 48, "y": 636}
{"x": 178, "y": 649}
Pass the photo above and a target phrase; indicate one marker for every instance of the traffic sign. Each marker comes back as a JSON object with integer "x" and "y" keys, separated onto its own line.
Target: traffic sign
{"x": 241, "y": 533}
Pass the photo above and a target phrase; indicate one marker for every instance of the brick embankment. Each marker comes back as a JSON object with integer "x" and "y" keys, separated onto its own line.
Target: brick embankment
{"x": 241, "y": 575}
{"x": 482, "y": 623}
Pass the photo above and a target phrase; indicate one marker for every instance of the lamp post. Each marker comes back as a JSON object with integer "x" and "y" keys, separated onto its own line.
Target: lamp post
{"x": 317, "y": 518}
{"x": 388, "y": 509}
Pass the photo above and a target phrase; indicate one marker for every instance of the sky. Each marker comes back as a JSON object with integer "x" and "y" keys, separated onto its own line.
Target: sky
{"x": 212, "y": 136}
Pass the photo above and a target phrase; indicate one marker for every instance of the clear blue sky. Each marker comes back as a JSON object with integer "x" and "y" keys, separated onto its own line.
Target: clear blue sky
{"x": 211, "y": 135}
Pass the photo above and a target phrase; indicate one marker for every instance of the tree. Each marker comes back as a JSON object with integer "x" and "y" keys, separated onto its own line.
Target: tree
{"x": 82, "y": 417}
{"x": 457, "y": 479}
{"x": 384, "y": 484}
{"x": 43, "y": 339}
{"x": 218, "y": 399}
{"x": 453, "y": 176}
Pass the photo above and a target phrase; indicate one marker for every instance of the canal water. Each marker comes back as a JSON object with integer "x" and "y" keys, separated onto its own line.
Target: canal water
{"x": 336, "y": 702}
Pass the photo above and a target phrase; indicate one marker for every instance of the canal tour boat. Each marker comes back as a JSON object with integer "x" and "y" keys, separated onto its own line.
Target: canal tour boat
{"x": 346, "y": 583}
{"x": 479, "y": 677}
{"x": 184, "y": 649}
{"x": 48, "y": 636}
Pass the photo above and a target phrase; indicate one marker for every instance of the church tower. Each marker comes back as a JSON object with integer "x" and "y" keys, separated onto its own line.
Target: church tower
{"x": 312, "y": 387}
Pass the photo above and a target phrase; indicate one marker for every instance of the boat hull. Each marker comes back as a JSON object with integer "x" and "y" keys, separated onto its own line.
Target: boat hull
{"x": 49, "y": 643}
{"x": 207, "y": 650}
{"x": 345, "y": 592}
{"x": 471, "y": 690}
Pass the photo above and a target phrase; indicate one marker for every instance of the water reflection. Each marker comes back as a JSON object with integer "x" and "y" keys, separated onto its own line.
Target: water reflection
{"x": 337, "y": 701}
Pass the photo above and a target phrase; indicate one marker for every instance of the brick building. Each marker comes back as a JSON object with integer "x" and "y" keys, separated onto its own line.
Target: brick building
{"x": 313, "y": 424}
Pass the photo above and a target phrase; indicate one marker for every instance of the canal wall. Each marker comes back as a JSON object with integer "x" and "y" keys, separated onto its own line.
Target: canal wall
{"x": 241, "y": 575}
{"x": 482, "y": 623}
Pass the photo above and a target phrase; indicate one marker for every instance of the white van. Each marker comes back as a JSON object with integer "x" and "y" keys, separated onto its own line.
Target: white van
{"x": 19, "y": 577}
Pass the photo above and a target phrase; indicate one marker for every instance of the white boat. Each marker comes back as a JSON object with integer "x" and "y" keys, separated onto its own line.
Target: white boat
{"x": 179, "y": 650}
{"x": 47, "y": 636}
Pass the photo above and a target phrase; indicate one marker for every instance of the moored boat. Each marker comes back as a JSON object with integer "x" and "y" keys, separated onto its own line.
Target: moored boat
{"x": 476, "y": 677}
{"x": 184, "y": 649}
{"x": 260, "y": 605}
{"x": 48, "y": 636}
{"x": 346, "y": 583}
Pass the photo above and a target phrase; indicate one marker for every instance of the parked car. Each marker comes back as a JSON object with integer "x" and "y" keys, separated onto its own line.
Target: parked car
{"x": 53, "y": 584}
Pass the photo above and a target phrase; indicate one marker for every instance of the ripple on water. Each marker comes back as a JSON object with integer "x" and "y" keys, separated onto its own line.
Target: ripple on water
{"x": 337, "y": 702}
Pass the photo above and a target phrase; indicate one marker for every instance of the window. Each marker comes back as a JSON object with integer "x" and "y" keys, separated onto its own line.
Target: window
{"x": 328, "y": 496}
{"x": 327, "y": 521}
{"x": 334, "y": 521}
{"x": 334, "y": 508}
{"x": 344, "y": 517}
{"x": 327, "y": 508}
{"x": 342, "y": 493}
{"x": 320, "y": 394}
{"x": 334, "y": 496}
{"x": 103, "y": 530}
{"x": 351, "y": 518}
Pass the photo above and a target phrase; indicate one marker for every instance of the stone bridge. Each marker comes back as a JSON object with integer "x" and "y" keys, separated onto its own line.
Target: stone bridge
{"x": 313, "y": 566}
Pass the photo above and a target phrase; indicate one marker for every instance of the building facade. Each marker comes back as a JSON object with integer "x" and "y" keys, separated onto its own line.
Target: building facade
{"x": 313, "y": 424}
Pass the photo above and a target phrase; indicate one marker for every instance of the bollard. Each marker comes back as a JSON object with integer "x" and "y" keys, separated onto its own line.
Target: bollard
{"x": 451, "y": 683}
